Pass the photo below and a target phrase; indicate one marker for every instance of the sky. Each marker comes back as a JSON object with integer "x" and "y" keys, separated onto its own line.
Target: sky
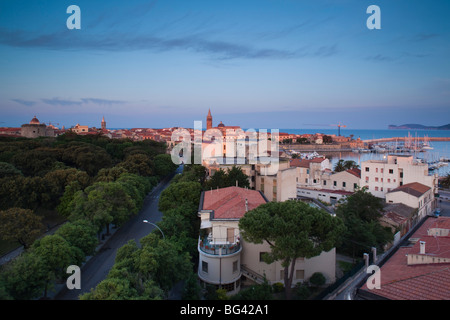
{"x": 255, "y": 63}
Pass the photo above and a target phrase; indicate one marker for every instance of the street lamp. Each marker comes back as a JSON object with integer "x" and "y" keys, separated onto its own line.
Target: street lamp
{"x": 146, "y": 221}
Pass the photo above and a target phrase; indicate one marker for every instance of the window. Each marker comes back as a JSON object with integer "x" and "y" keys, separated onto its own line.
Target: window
{"x": 376, "y": 179}
{"x": 344, "y": 184}
{"x": 335, "y": 183}
{"x": 235, "y": 266}
{"x": 389, "y": 180}
{"x": 205, "y": 266}
{"x": 391, "y": 171}
{"x": 324, "y": 182}
{"x": 367, "y": 169}
{"x": 376, "y": 188}
{"x": 355, "y": 185}
{"x": 376, "y": 170}
{"x": 261, "y": 256}
{"x": 299, "y": 274}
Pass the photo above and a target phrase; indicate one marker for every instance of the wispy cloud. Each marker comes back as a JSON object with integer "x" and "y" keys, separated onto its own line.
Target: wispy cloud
{"x": 216, "y": 49}
{"x": 61, "y": 102}
{"x": 424, "y": 36}
{"x": 82, "y": 101}
{"x": 27, "y": 103}
{"x": 101, "y": 101}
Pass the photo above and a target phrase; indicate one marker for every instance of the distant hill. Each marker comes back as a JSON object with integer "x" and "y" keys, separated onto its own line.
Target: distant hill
{"x": 419, "y": 127}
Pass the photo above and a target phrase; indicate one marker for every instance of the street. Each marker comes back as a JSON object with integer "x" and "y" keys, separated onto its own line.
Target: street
{"x": 97, "y": 268}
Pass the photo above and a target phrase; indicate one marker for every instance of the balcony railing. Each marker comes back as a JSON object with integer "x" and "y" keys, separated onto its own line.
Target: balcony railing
{"x": 217, "y": 246}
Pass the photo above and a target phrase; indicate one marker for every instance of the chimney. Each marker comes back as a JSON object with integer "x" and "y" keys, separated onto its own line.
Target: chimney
{"x": 246, "y": 205}
{"x": 422, "y": 247}
{"x": 237, "y": 184}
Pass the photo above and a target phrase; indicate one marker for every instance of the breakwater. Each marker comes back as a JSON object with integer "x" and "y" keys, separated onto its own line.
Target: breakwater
{"x": 419, "y": 139}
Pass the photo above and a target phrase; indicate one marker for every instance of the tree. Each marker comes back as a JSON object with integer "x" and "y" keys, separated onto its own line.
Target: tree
{"x": 161, "y": 259}
{"x": 343, "y": 165}
{"x": 293, "y": 229}
{"x": 445, "y": 182}
{"x": 102, "y": 203}
{"x": 25, "y": 278}
{"x": 235, "y": 174}
{"x": 164, "y": 165}
{"x": 21, "y": 225}
{"x": 222, "y": 179}
{"x": 7, "y": 170}
{"x": 360, "y": 213}
{"x": 81, "y": 234}
{"x": 57, "y": 255}
{"x": 180, "y": 193}
{"x": 139, "y": 164}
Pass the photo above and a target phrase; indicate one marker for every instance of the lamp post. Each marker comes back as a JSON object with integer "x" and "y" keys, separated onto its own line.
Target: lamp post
{"x": 146, "y": 221}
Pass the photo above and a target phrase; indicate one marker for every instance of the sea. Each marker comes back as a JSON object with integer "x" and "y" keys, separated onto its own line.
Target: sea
{"x": 441, "y": 149}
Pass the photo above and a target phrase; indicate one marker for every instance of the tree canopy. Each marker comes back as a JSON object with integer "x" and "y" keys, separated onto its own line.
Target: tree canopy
{"x": 293, "y": 229}
{"x": 360, "y": 213}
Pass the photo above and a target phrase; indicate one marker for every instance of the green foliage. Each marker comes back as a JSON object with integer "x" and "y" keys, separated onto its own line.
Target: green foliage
{"x": 81, "y": 234}
{"x": 25, "y": 278}
{"x": 262, "y": 291}
{"x": 317, "y": 279}
{"x": 93, "y": 181}
{"x": 187, "y": 193}
{"x": 7, "y": 170}
{"x": 192, "y": 289}
{"x": 343, "y": 165}
{"x": 21, "y": 225}
{"x": 278, "y": 287}
{"x": 222, "y": 179}
{"x": 302, "y": 291}
{"x": 360, "y": 213}
{"x": 293, "y": 229}
{"x": 143, "y": 273}
{"x": 164, "y": 165}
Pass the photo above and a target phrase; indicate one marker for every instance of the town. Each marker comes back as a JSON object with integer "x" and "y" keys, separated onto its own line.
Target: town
{"x": 409, "y": 206}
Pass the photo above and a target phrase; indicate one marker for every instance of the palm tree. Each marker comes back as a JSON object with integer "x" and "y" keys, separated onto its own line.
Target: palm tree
{"x": 350, "y": 164}
{"x": 339, "y": 166}
{"x": 343, "y": 165}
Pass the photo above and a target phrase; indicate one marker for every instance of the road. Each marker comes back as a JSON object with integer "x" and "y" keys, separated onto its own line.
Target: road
{"x": 97, "y": 268}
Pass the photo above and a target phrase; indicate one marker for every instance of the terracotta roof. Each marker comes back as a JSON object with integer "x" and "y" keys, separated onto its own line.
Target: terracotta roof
{"x": 229, "y": 203}
{"x": 415, "y": 189}
{"x": 355, "y": 171}
{"x": 400, "y": 281}
{"x": 304, "y": 163}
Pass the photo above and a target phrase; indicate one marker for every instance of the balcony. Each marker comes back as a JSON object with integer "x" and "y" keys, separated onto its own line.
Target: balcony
{"x": 217, "y": 246}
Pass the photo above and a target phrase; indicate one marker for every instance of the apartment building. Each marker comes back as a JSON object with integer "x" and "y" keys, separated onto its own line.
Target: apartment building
{"x": 382, "y": 176}
{"x": 225, "y": 259}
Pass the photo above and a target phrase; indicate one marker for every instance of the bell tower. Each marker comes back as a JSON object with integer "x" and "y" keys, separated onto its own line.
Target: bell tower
{"x": 209, "y": 120}
{"x": 103, "y": 123}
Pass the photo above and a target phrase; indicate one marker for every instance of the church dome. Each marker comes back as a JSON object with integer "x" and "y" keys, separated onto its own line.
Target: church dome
{"x": 221, "y": 125}
{"x": 34, "y": 121}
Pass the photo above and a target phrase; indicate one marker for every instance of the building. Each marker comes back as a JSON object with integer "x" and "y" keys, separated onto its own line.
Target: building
{"x": 103, "y": 124}
{"x": 382, "y": 176}
{"x": 399, "y": 217}
{"x": 35, "y": 129}
{"x": 225, "y": 259}
{"x": 418, "y": 271}
{"x": 414, "y": 195}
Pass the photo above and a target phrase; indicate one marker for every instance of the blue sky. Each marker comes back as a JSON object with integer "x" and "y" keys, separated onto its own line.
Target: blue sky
{"x": 255, "y": 63}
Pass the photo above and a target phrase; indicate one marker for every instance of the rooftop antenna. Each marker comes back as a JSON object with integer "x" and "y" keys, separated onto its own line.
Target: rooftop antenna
{"x": 246, "y": 205}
